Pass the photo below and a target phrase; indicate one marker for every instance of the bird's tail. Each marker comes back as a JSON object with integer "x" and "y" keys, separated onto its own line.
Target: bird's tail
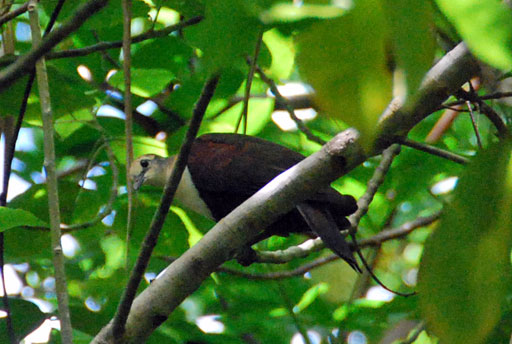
{"x": 323, "y": 224}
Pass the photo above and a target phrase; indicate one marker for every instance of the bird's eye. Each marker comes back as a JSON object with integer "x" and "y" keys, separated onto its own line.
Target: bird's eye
{"x": 144, "y": 163}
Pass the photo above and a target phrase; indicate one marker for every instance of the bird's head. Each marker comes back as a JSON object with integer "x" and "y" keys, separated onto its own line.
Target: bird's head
{"x": 150, "y": 169}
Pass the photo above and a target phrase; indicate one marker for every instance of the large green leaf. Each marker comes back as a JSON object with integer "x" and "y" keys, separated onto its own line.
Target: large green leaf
{"x": 344, "y": 60}
{"x": 227, "y": 34}
{"x": 411, "y": 27}
{"x": 485, "y": 25}
{"x": 465, "y": 269}
{"x": 10, "y": 218}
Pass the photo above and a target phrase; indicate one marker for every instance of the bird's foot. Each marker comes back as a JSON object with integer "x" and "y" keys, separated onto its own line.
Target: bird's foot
{"x": 246, "y": 256}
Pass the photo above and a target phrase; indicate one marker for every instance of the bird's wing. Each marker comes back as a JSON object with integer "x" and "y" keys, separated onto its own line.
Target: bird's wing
{"x": 237, "y": 163}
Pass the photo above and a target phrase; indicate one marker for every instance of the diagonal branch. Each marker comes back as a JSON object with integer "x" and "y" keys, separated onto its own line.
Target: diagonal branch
{"x": 24, "y": 64}
{"x": 14, "y": 13}
{"x": 102, "y": 46}
{"x": 459, "y": 159}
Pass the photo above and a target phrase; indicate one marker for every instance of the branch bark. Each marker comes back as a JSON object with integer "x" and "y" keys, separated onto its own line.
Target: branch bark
{"x": 26, "y": 63}
{"x": 340, "y": 155}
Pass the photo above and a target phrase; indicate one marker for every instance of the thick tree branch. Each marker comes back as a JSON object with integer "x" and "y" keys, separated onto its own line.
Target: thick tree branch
{"x": 340, "y": 155}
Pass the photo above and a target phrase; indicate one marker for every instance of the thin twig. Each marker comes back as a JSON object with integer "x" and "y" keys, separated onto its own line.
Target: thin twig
{"x": 496, "y": 120}
{"x": 110, "y": 45}
{"x": 282, "y": 100}
{"x": 459, "y": 159}
{"x": 53, "y": 198}
{"x": 247, "y": 94}
{"x": 14, "y": 13}
{"x": 118, "y": 44}
{"x": 453, "y": 108}
{"x": 25, "y": 63}
{"x": 107, "y": 209}
{"x": 312, "y": 245}
{"x": 496, "y": 95}
{"x": 373, "y": 185}
{"x": 158, "y": 219}
{"x": 473, "y": 122}
{"x": 289, "y": 308}
{"x": 364, "y": 202}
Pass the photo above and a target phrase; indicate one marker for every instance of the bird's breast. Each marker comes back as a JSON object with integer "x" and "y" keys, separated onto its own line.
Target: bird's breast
{"x": 189, "y": 196}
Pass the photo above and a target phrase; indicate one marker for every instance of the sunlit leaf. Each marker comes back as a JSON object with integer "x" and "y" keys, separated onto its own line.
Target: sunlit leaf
{"x": 465, "y": 269}
{"x": 193, "y": 233}
{"x": 283, "y": 54}
{"x": 310, "y": 296}
{"x": 485, "y": 25}
{"x": 284, "y": 12}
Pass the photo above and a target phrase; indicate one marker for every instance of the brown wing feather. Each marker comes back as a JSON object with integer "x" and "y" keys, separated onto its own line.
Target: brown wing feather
{"x": 227, "y": 162}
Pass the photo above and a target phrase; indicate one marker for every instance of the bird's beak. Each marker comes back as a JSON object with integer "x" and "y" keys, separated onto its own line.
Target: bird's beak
{"x": 138, "y": 181}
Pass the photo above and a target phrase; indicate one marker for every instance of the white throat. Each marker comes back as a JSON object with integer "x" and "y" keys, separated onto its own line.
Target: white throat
{"x": 189, "y": 196}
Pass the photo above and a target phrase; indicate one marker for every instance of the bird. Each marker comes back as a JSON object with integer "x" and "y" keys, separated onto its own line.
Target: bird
{"x": 223, "y": 170}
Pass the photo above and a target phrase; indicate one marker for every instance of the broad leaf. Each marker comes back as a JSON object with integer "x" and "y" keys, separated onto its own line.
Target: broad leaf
{"x": 344, "y": 60}
{"x": 465, "y": 269}
{"x": 486, "y": 26}
{"x": 10, "y": 218}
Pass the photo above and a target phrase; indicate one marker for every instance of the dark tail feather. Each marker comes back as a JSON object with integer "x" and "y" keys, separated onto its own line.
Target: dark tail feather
{"x": 322, "y": 223}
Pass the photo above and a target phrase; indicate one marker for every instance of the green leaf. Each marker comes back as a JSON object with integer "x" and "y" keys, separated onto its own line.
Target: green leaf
{"x": 25, "y": 316}
{"x": 344, "y": 60}
{"x": 227, "y": 34}
{"x": 194, "y": 235}
{"x": 10, "y": 218}
{"x": 485, "y": 25}
{"x": 259, "y": 114}
{"x": 310, "y": 296}
{"x": 283, "y": 55}
{"x": 168, "y": 53}
{"x": 283, "y": 12}
{"x": 145, "y": 82}
{"x": 411, "y": 24}
{"x": 465, "y": 269}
